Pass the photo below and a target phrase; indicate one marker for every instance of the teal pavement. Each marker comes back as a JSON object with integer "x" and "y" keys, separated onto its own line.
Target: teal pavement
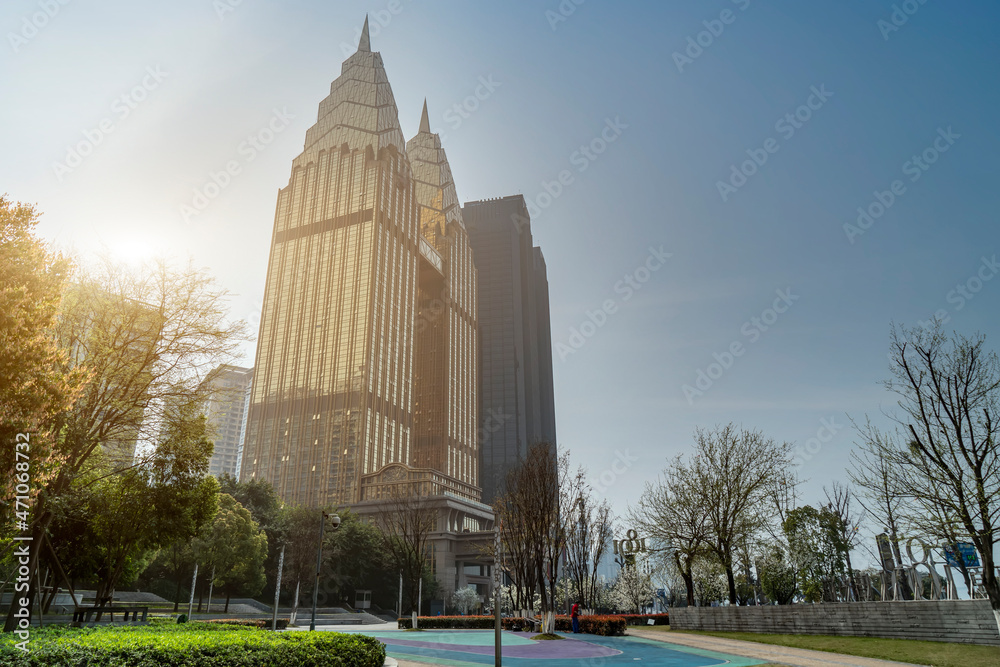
{"x": 469, "y": 648}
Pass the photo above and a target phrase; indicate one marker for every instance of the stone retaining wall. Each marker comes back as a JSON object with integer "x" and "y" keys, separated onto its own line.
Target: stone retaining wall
{"x": 962, "y": 621}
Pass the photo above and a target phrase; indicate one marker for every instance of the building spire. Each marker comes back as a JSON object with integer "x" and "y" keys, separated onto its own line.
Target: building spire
{"x": 366, "y": 43}
{"x": 425, "y": 125}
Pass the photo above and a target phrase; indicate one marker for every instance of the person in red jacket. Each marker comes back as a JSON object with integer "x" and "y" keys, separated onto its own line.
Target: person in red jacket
{"x": 575, "y": 614}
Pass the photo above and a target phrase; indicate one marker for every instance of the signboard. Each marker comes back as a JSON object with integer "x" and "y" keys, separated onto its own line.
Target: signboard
{"x": 961, "y": 550}
{"x": 885, "y": 552}
{"x": 631, "y": 545}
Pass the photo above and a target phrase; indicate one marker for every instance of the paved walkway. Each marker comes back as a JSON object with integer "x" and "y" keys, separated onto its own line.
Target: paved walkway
{"x": 474, "y": 648}
{"x": 784, "y": 655}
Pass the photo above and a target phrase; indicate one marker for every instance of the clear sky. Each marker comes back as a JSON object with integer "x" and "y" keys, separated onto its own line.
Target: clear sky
{"x": 684, "y": 93}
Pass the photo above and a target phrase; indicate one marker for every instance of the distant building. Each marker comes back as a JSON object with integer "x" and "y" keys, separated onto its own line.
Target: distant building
{"x": 516, "y": 398}
{"x": 226, "y": 413}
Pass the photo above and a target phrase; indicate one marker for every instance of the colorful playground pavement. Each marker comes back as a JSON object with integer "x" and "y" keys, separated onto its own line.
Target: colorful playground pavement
{"x": 469, "y": 648}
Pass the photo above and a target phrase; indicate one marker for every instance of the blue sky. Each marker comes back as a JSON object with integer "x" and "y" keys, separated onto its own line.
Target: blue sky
{"x": 198, "y": 79}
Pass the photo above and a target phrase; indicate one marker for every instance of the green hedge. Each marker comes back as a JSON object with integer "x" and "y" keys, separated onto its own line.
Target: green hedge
{"x": 609, "y": 626}
{"x": 190, "y": 645}
{"x": 262, "y": 623}
{"x": 592, "y": 625}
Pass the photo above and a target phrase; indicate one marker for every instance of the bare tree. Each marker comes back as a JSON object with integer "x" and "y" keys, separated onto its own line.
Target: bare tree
{"x": 946, "y": 459}
{"x": 533, "y": 534}
{"x": 839, "y": 498}
{"x": 407, "y": 521}
{"x": 672, "y": 514}
{"x": 588, "y": 527}
{"x": 734, "y": 472}
{"x": 874, "y": 474}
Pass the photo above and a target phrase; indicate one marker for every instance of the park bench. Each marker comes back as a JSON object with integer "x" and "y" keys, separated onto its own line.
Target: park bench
{"x": 83, "y": 614}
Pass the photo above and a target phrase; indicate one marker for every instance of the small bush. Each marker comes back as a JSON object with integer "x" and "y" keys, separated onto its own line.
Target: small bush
{"x": 608, "y": 626}
{"x": 190, "y": 645}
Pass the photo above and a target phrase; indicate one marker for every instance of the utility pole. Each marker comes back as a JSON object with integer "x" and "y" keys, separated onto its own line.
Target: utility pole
{"x": 319, "y": 561}
{"x": 277, "y": 589}
{"x": 399, "y": 609}
{"x": 194, "y": 581}
{"x": 497, "y": 578}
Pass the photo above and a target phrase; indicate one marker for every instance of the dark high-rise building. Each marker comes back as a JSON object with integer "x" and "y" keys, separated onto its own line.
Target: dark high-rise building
{"x": 516, "y": 398}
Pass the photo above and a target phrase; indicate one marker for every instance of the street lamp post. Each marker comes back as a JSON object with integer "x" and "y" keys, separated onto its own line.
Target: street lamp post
{"x": 335, "y": 520}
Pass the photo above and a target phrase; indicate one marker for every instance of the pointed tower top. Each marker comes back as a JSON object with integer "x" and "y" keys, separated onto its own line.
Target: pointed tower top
{"x": 365, "y": 44}
{"x": 425, "y": 125}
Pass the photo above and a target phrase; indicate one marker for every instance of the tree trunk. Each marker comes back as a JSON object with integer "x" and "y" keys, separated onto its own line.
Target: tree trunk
{"x": 211, "y": 586}
{"x": 732, "y": 584}
{"x": 226, "y": 611}
{"x": 850, "y": 578}
{"x": 295, "y": 604}
{"x": 177, "y": 592}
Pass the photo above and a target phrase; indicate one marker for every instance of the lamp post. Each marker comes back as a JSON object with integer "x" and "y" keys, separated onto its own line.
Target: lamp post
{"x": 335, "y": 521}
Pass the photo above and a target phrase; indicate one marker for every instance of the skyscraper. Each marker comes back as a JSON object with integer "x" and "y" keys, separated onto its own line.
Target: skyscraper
{"x": 225, "y": 414}
{"x": 365, "y": 376}
{"x": 517, "y": 404}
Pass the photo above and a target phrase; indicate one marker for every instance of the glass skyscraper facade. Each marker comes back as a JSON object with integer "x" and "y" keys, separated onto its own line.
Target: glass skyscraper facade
{"x": 366, "y": 374}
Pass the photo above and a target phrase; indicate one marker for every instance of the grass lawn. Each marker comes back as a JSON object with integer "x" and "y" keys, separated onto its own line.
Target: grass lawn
{"x": 939, "y": 654}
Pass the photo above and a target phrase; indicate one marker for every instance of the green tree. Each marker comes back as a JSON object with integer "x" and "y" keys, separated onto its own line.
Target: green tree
{"x": 165, "y": 499}
{"x": 144, "y": 339}
{"x": 777, "y": 576}
{"x": 355, "y": 558}
{"x": 816, "y": 539}
{"x": 734, "y": 471}
{"x": 261, "y": 500}
{"x": 233, "y": 547}
{"x": 33, "y": 386}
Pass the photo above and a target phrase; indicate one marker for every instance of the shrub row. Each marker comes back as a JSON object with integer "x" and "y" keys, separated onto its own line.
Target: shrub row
{"x": 593, "y": 625}
{"x": 189, "y": 645}
{"x": 609, "y": 626}
{"x": 460, "y": 622}
{"x": 262, "y": 623}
